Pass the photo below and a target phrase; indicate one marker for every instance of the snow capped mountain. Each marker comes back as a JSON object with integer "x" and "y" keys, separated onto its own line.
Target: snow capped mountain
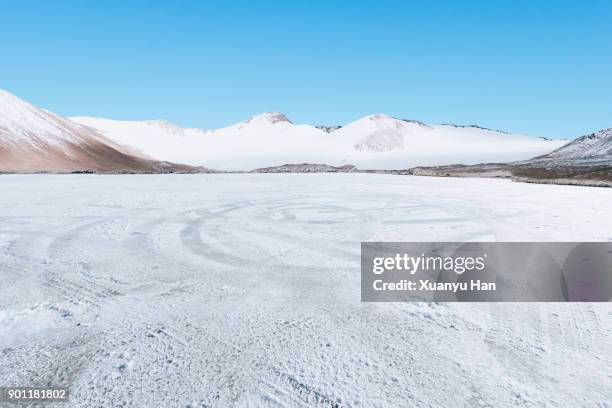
{"x": 22, "y": 122}
{"x": 149, "y": 138}
{"x": 269, "y": 117}
{"x": 263, "y": 140}
{"x": 383, "y": 142}
{"x": 271, "y": 139}
{"x": 34, "y": 139}
{"x": 594, "y": 148}
{"x": 380, "y": 133}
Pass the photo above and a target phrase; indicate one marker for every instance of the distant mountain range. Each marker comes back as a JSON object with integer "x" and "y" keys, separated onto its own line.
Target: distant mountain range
{"x": 33, "y": 139}
{"x": 271, "y": 139}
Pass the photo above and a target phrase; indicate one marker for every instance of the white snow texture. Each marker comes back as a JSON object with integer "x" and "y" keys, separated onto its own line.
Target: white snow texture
{"x": 244, "y": 290}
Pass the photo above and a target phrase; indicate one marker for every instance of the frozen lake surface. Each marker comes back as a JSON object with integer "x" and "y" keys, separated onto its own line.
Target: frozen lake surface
{"x": 244, "y": 290}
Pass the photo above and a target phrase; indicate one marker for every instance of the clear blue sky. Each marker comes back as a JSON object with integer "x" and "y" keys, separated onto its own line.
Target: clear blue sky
{"x": 539, "y": 67}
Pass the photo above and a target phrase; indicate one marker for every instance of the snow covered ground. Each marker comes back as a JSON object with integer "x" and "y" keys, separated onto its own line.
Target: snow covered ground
{"x": 244, "y": 290}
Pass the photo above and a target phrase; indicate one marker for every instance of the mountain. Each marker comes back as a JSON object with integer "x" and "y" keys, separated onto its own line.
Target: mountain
{"x": 158, "y": 139}
{"x": 33, "y": 139}
{"x": 264, "y": 140}
{"x": 591, "y": 149}
{"x": 586, "y": 161}
{"x": 271, "y": 139}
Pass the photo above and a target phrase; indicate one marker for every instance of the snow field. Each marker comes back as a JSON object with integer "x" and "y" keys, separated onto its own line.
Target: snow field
{"x": 243, "y": 290}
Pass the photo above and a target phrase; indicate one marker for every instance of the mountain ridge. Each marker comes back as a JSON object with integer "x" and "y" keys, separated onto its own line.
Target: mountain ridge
{"x": 37, "y": 139}
{"x": 591, "y": 148}
{"x": 33, "y": 139}
{"x": 376, "y": 141}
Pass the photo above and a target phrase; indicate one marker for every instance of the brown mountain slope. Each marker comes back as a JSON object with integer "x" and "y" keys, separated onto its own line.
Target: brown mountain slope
{"x": 35, "y": 140}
